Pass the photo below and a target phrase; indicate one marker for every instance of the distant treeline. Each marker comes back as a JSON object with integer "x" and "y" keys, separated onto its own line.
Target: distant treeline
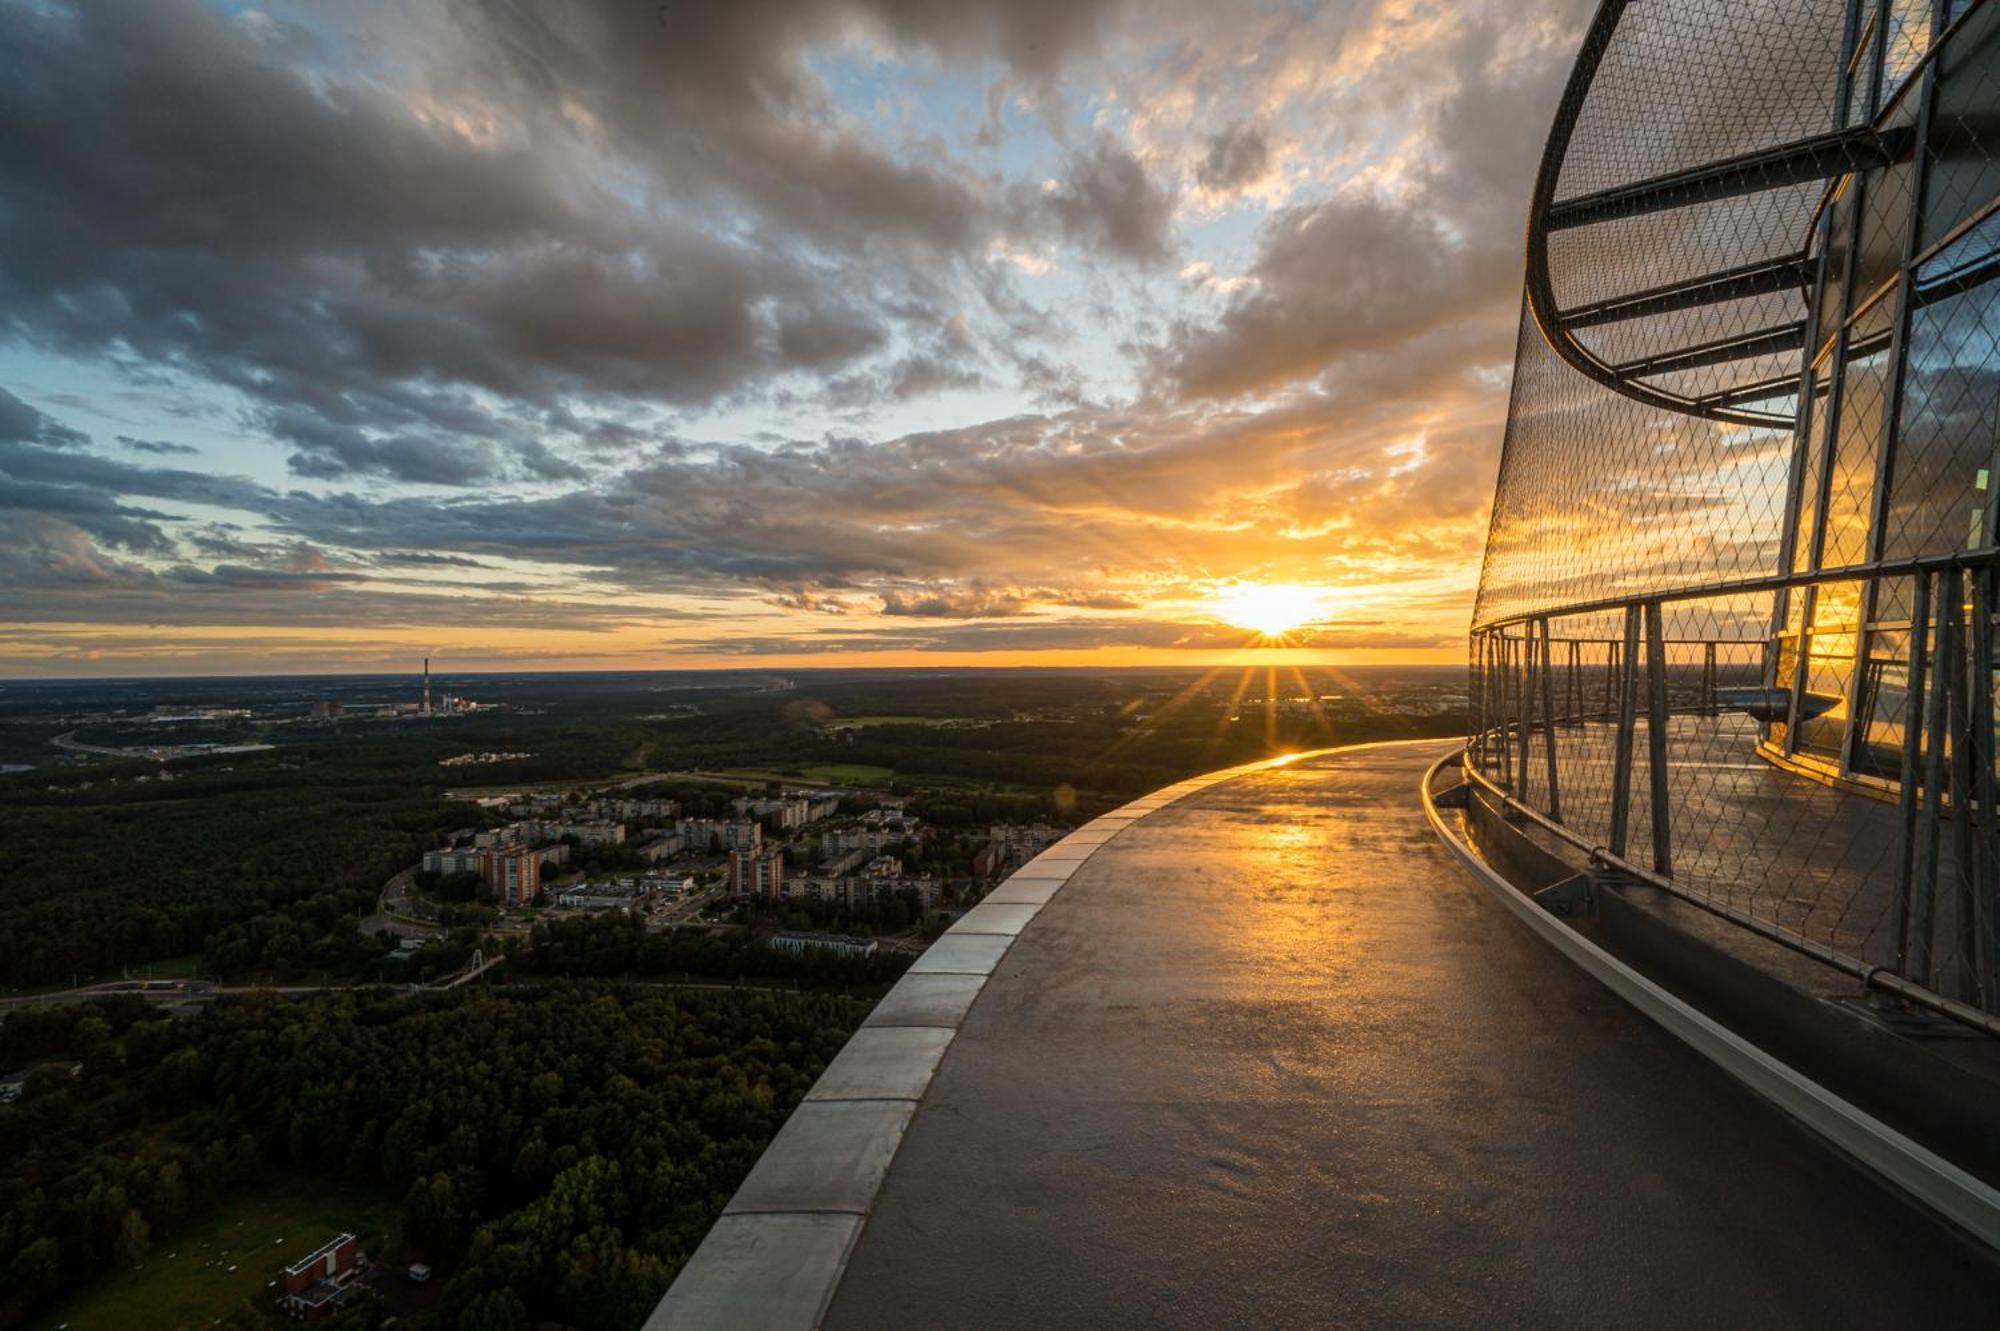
{"x": 617, "y": 944}
{"x": 262, "y": 863}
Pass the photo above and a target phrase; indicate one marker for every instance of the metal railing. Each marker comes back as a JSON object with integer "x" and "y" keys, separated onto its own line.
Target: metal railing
{"x": 1667, "y": 741}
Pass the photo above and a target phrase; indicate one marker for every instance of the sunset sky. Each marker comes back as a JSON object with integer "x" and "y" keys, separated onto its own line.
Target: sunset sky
{"x": 627, "y": 334}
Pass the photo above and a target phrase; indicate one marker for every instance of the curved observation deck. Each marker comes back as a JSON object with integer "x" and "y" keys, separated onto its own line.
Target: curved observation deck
{"x": 1257, "y": 1049}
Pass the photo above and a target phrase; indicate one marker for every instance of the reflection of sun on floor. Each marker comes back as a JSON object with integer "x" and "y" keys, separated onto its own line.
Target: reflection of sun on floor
{"x": 1271, "y": 609}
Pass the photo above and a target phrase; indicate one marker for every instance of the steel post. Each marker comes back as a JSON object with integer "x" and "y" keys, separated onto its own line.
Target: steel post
{"x": 1621, "y": 773}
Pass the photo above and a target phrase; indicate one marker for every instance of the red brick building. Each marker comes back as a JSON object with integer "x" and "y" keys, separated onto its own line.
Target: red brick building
{"x": 757, "y": 873}
{"x": 315, "y": 1285}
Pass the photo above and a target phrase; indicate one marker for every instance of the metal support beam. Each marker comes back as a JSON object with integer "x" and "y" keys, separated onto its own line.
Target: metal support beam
{"x": 1912, "y": 777}
{"x": 1820, "y": 157}
{"x": 1526, "y": 710}
{"x": 1741, "y": 346}
{"x": 1549, "y": 722}
{"x": 1923, "y": 901}
{"x": 1971, "y": 912}
{"x": 1621, "y": 762}
{"x": 1765, "y": 276}
{"x": 1986, "y": 866}
{"x": 1611, "y": 680}
{"x": 1784, "y": 385}
{"x": 1656, "y": 741}
{"x": 1708, "y": 677}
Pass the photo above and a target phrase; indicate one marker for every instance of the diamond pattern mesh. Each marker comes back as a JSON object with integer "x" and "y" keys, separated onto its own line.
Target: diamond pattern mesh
{"x": 1744, "y": 201}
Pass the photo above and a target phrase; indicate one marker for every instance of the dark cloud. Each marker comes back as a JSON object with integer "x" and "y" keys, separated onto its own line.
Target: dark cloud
{"x": 1236, "y": 157}
{"x": 1107, "y": 200}
{"x": 157, "y": 447}
{"x": 425, "y": 559}
{"x": 1365, "y": 273}
{"x": 954, "y": 603}
{"x": 21, "y": 423}
{"x": 369, "y": 254}
{"x": 1321, "y": 291}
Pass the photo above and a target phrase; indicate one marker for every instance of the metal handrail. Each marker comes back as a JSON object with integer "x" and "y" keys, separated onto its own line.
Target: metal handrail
{"x": 1871, "y": 976}
{"x": 1964, "y": 560}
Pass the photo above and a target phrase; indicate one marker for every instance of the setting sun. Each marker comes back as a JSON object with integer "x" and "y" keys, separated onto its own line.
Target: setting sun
{"x": 1271, "y": 609}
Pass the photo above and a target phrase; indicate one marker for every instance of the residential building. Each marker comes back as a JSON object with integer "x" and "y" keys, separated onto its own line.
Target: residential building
{"x": 842, "y": 944}
{"x": 592, "y": 833}
{"x": 316, "y": 1284}
{"x": 512, "y": 872}
{"x": 734, "y": 834}
{"x": 1010, "y": 845}
{"x": 758, "y": 873}
{"x": 452, "y": 859}
{"x": 661, "y": 846}
{"x": 622, "y": 895}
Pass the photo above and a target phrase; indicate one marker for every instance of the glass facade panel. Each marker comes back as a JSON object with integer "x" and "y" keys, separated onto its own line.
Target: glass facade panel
{"x": 1964, "y": 137}
{"x": 1823, "y": 707}
{"x": 1908, "y": 37}
{"x": 1850, "y": 500}
{"x": 1838, "y": 240}
{"x": 1811, "y": 469}
{"x": 1940, "y": 493}
{"x": 1885, "y": 228}
{"x": 1878, "y": 727}
{"x": 1894, "y": 601}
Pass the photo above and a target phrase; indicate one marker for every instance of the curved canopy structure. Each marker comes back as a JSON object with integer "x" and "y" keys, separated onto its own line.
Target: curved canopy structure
{"x": 1750, "y": 455}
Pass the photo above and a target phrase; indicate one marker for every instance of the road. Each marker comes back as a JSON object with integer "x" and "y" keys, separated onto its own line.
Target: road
{"x": 395, "y": 901}
{"x": 684, "y": 911}
{"x": 176, "y": 992}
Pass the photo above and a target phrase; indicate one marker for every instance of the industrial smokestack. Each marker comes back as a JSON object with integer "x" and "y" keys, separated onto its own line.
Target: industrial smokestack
{"x": 427, "y": 686}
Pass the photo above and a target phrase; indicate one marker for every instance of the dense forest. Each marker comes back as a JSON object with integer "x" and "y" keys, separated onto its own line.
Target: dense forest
{"x": 558, "y": 1150}
{"x": 616, "y": 944}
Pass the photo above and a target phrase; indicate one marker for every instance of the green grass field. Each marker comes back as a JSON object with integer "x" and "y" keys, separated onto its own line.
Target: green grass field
{"x": 169, "y": 968}
{"x": 852, "y": 774}
{"x": 838, "y": 774}
{"x": 172, "y": 968}
{"x": 866, "y": 722}
{"x": 232, "y": 1253}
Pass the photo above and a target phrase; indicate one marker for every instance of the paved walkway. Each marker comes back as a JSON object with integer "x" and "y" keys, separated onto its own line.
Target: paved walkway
{"x": 1272, "y": 1059}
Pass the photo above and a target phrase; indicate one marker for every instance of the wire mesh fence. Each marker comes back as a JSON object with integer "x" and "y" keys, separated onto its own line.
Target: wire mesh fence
{"x": 1735, "y": 628}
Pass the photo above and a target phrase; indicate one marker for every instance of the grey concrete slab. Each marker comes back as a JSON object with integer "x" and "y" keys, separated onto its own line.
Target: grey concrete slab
{"x": 926, "y": 1000}
{"x": 1113, "y": 822}
{"x": 1026, "y": 891}
{"x": 829, "y": 1156}
{"x": 1058, "y": 860}
{"x": 1269, "y": 1059}
{"x": 759, "y": 1273}
{"x": 1088, "y": 836}
{"x": 962, "y": 954}
{"x": 882, "y": 1063}
{"x": 996, "y": 917}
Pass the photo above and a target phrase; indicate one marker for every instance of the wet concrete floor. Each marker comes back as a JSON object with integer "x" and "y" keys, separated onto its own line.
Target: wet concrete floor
{"x": 1272, "y": 1059}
